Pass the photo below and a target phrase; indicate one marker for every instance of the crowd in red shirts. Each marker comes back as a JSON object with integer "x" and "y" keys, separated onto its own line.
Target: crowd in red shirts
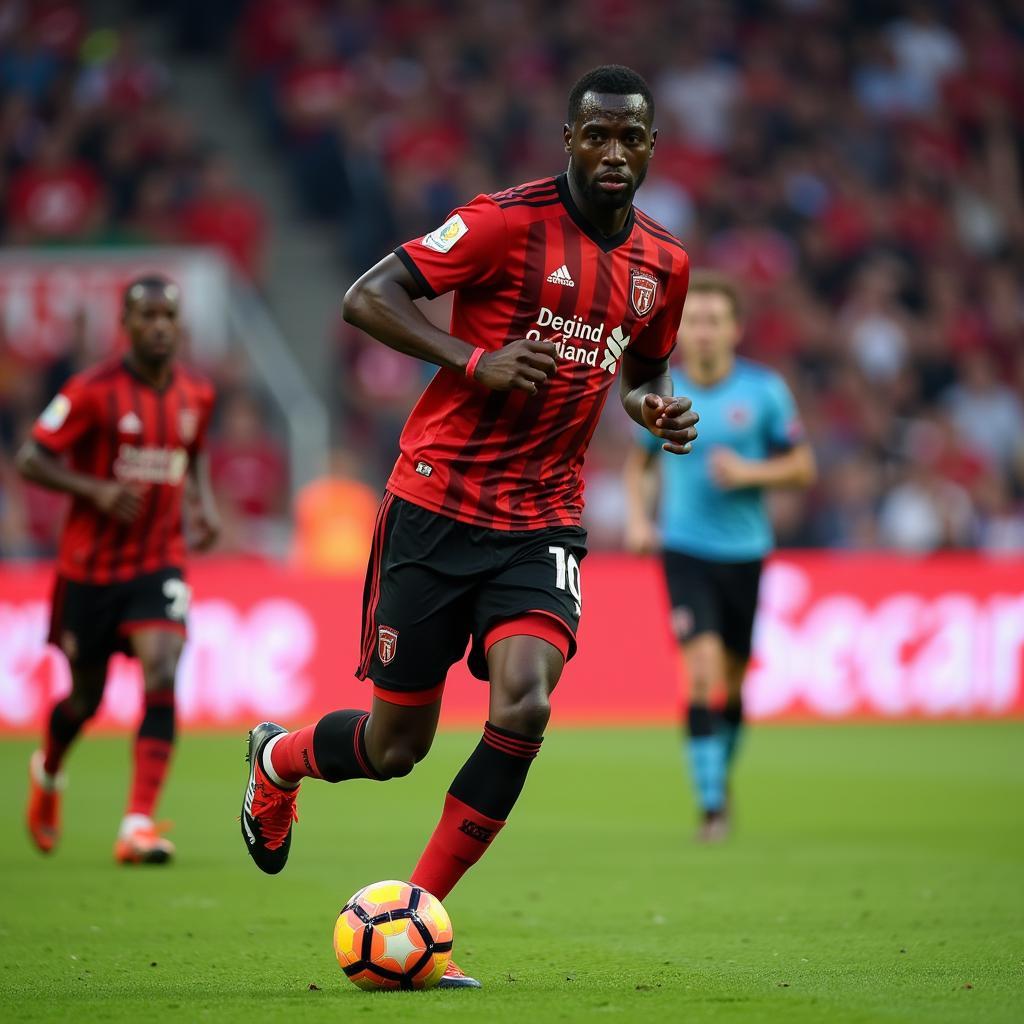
{"x": 94, "y": 151}
{"x": 858, "y": 166}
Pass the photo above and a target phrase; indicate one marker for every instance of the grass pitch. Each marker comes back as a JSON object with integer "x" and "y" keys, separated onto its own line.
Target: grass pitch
{"x": 876, "y": 874}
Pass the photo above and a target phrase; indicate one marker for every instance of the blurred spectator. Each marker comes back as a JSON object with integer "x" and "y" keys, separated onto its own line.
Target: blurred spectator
{"x": 221, "y": 214}
{"x": 57, "y": 198}
{"x": 248, "y": 471}
{"x": 334, "y": 518}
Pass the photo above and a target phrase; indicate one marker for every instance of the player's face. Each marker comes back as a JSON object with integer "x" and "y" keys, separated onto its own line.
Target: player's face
{"x": 708, "y": 330}
{"x": 153, "y": 327}
{"x": 609, "y": 147}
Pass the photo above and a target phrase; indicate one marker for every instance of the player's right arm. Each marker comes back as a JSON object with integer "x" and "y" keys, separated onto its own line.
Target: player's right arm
{"x": 383, "y": 303}
{"x": 468, "y": 250}
{"x": 65, "y": 422}
{"x": 640, "y": 480}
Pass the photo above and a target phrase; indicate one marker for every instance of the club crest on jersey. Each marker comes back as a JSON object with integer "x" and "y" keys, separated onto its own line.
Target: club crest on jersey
{"x": 387, "y": 644}
{"x": 643, "y": 291}
{"x": 188, "y": 424}
{"x": 129, "y": 423}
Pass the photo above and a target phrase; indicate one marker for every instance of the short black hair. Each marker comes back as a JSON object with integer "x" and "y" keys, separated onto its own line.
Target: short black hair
{"x": 616, "y": 79}
{"x": 138, "y": 286}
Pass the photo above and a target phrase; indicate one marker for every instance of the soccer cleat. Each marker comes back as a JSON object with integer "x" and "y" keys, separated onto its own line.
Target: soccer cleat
{"x": 714, "y": 828}
{"x": 143, "y": 845}
{"x": 454, "y": 978}
{"x": 43, "y": 814}
{"x": 268, "y": 811}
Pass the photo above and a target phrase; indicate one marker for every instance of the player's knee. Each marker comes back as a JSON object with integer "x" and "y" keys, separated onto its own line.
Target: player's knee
{"x": 159, "y": 674}
{"x": 524, "y": 705}
{"x": 397, "y": 759}
{"x": 85, "y": 705}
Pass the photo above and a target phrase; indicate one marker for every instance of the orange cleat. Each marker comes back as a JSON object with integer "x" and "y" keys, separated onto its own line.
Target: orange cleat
{"x": 454, "y": 978}
{"x": 43, "y": 815}
{"x": 143, "y": 844}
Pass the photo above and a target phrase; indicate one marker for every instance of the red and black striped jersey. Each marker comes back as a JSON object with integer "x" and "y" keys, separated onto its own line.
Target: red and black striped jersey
{"x": 112, "y": 424}
{"x": 526, "y": 263}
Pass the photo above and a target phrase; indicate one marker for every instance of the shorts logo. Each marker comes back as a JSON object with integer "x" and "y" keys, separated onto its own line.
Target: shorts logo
{"x": 643, "y": 291}
{"x": 424, "y": 469}
{"x": 387, "y": 644}
{"x": 447, "y": 235}
{"x": 54, "y": 415}
{"x": 188, "y": 424}
{"x": 682, "y": 622}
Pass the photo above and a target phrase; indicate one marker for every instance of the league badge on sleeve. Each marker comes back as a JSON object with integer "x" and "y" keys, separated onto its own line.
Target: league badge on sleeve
{"x": 54, "y": 415}
{"x": 643, "y": 291}
{"x": 447, "y": 235}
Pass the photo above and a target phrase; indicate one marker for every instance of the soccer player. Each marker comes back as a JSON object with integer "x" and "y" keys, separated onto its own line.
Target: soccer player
{"x": 714, "y": 530}
{"x": 558, "y": 284}
{"x": 124, "y": 439}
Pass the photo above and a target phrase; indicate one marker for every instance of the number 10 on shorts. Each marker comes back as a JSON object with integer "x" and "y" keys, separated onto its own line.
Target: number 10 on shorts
{"x": 567, "y": 574}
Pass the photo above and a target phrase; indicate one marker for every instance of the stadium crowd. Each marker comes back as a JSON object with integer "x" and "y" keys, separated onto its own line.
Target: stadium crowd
{"x": 857, "y": 166}
{"x": 94, "y": 151}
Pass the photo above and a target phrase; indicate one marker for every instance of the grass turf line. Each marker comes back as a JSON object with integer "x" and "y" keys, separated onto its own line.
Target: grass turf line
{"x": 874, "y": 875}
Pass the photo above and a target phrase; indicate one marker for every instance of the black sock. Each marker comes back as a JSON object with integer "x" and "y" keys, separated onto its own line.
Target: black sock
{"x": 494, "y": 776}
{"x": 700, "y": 721}
{"x": 339, "y": 746}
{"x": 158, "y": 720}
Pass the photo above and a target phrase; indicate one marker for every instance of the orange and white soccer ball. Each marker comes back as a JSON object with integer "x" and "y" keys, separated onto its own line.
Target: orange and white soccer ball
{"x": 393, "y": 935}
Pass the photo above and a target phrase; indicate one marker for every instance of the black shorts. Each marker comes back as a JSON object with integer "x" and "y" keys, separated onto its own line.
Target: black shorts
{"x": 91, "y": 621}
{"x": 713, "y": 597}
{"x": 434, "y": 583}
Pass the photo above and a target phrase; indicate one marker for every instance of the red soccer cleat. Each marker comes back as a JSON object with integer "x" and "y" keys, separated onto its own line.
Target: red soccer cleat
{"x": 143, "y": 845}
{"x": 43, "y": 814}
{"x": 268, "y": 811}
{"x": 454, "y": 978}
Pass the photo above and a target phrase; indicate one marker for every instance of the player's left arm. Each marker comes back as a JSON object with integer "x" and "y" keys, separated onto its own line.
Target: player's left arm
{"x": 646, "y": 393}
{"x": 646, "y": 384}
{"x": 204, "y": 519}
{"x": 792, "y": 465}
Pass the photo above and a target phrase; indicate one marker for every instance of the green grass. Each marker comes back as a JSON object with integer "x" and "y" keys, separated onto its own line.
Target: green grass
{"x": 877, "y": 874}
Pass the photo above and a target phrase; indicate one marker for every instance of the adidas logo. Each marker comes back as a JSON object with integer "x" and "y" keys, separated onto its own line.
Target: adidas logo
{"x": 130, "y": 424}
{"x": 561, "y": 276}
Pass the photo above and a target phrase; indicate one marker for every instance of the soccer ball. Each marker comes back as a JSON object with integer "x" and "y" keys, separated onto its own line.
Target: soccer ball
{"x": 393, "y": 935}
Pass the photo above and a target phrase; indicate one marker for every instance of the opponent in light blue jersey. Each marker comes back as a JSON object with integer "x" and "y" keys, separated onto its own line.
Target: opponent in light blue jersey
{"x": 750, "y": 413}
{"x": 713, "y": 529}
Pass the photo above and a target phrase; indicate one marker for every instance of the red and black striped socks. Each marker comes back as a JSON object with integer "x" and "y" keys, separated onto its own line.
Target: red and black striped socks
{"x": 476, "y": 807}
{"x": 334, "y": 750}
{"x": 152, "y": 753}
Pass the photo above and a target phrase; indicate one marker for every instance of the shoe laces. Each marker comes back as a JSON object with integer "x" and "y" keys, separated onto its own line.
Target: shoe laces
{"x": 274, "y": 808}
{"x": 451, "y": 971}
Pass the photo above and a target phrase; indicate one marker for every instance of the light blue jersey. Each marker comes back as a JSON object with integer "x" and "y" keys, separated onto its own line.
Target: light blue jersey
{"x": 752, "y": 412}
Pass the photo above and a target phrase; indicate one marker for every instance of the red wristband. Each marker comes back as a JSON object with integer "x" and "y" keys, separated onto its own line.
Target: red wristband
{"x": 473, "y": 360}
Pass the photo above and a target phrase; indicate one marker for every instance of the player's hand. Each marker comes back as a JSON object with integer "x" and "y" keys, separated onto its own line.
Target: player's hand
{"x": 671, "y": 419}
{"x": 122, "y": 502}
{"x": 641, "y": 536}
{"x": 729, "y": 470}
{"x": 522, "y": 365}
{"x": 205, "y": 529}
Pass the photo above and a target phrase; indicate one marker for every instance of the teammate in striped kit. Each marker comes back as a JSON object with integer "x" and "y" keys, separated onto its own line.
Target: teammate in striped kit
{"x": 558, "y": 283}
{"x": 132, "y": 432}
